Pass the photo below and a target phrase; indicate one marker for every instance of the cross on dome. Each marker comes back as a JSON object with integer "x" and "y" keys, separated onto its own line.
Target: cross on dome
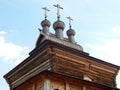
{"x": 70, "y": 19}
{"x": 46, "y": 9}
{"x": 58, "y": 10}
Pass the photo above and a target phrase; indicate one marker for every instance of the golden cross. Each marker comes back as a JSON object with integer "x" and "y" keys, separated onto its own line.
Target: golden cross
{"x": 46, "y": 9}
{"x": 58, "y": 9}
{"x": 70, "y": 19}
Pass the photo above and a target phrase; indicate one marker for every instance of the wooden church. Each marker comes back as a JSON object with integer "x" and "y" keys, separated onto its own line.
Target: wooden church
{"x": 59, "y": 63}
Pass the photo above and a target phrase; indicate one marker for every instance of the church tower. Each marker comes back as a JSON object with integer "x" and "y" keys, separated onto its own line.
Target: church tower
{"x": 59, "y": 63}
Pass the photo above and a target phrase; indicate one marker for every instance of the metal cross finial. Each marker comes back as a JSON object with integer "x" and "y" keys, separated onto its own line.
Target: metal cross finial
{"x": 46, "y": 9}
{"x": 58, "y": 10}
{"x": 70, "y": 19}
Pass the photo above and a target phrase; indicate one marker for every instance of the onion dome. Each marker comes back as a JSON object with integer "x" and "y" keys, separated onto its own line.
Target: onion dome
{"x": 45, "y": 23}
{"x": 59, "y": 25}
{"x": 70, "y": 32}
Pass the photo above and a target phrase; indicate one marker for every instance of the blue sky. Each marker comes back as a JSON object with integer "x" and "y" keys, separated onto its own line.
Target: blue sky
{"x": 96, "y": 22}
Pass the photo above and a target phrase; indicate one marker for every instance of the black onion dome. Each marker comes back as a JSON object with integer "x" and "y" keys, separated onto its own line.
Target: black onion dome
{"x": 59, "y": 25}
{"x": 70, "y": 32}
{"x": 45, "y": 23}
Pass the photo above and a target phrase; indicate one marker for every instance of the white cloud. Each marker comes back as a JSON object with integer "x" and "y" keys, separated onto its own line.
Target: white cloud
{"x": 10, "y": 51}
{"x": 116, "y": 29}
{"x": 2, "y": 32}
{"x": 108, "y": 51}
